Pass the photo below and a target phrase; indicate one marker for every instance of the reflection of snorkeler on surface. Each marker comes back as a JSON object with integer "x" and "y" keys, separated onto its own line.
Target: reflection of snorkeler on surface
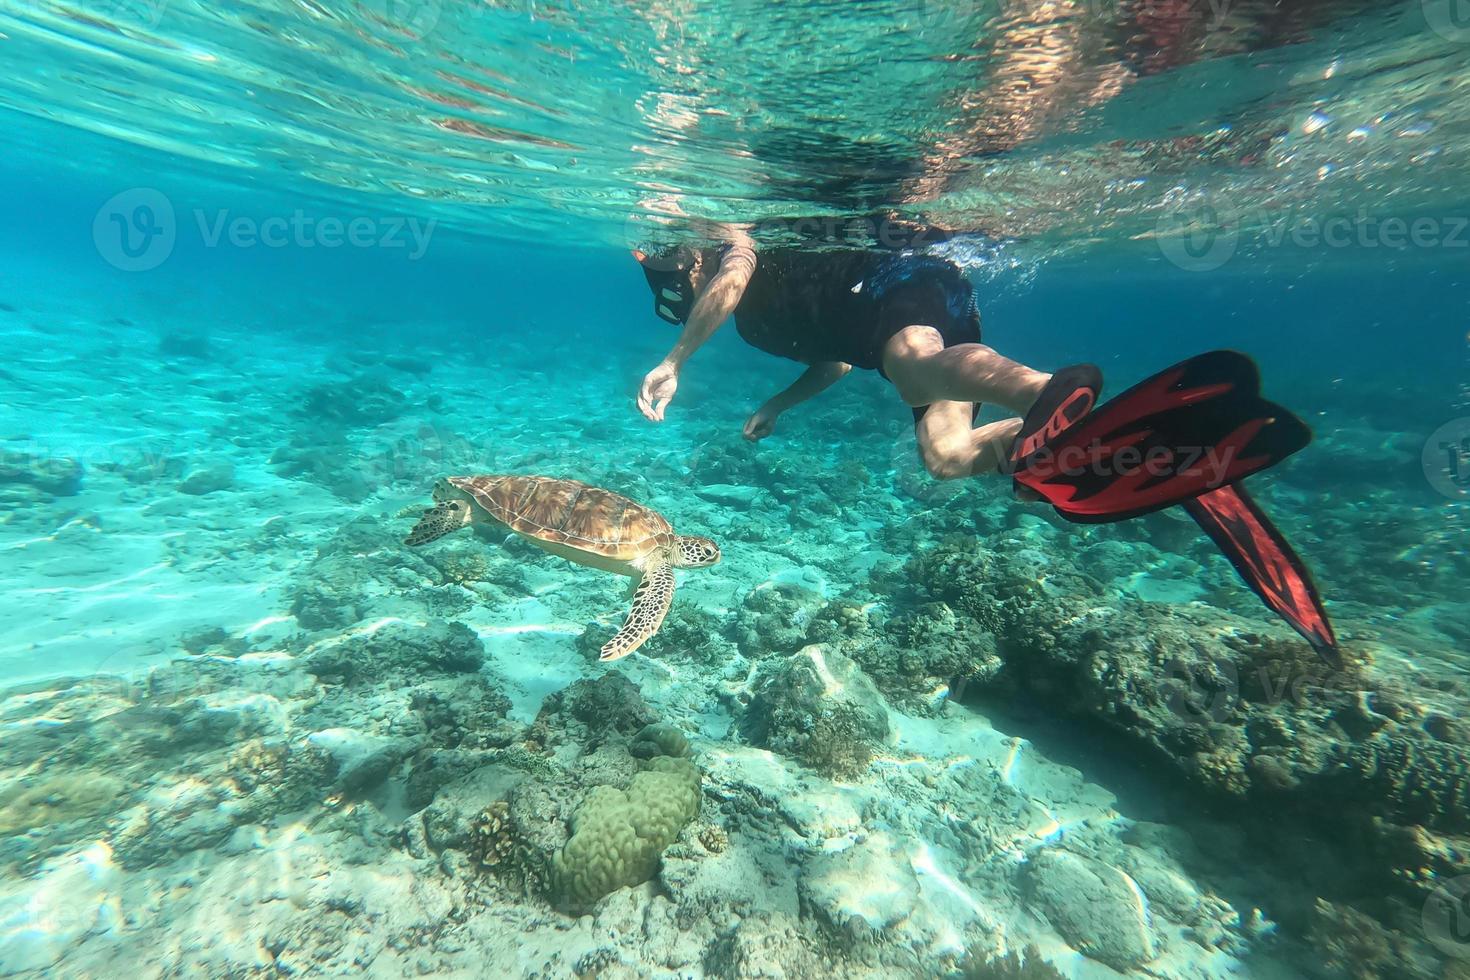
{"x": 1187, "y": 435}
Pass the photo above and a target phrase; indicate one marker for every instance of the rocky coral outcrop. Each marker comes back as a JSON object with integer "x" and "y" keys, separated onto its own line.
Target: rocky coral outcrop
{"x": 401, "y": 650}
{"x": 1096, "y": 907}
{"x": 29, "y": 479}
{"x": 1248, "y": 716}
{"x": 818, "y": 707}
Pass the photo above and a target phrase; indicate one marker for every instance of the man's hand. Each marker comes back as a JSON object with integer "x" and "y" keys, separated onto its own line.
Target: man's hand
{"x": 657, "y": 391}
{"x": 761, "y": 424}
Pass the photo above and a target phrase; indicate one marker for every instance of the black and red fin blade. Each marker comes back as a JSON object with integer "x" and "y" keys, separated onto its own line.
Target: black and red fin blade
{"x": 1194, "y": 427}
{"x": 1267, "y": 563}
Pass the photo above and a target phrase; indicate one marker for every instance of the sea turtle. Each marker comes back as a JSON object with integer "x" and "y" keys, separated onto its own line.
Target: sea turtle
{"x": 583, "y": 524}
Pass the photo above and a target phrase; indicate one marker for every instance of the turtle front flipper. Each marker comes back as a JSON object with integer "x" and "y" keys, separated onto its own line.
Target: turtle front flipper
{"x": 651, "y": 602}
{"x": 439, "y": 520}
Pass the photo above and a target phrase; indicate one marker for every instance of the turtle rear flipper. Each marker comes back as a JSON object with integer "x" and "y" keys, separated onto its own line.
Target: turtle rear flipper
{"x": 651, "y": 603}
{"x": 439, "y": 520}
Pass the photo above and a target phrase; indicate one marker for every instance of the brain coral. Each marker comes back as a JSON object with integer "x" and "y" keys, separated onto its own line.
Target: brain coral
{"x": 618, "y": 835}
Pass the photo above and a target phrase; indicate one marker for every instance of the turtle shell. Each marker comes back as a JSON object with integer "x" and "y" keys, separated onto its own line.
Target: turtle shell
{"x": 570, "y": 513}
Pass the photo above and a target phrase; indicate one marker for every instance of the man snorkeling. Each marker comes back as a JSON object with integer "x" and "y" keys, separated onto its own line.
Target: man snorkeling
{"x": 912, "y": 318}
{"x": 1186, "y": 436}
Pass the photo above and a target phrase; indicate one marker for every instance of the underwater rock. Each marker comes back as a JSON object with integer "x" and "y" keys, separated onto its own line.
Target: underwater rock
{"x": 775, "y": 620}
{"x": 230, "y": 717}
{"x": 318, "y": 607}
{"x": 927, "y": 649}
{"x": 323, "y": 457}
{"x": 364, "y": 400}
{"x": 60, "y": 799}
{"x": 859, "y": 890}
{"x": 450, "y": 821}
{"x": 48, "y": 477}
{"x": 818, "y": 707}
{"x": 175, "y": 344}
{"x": 469, "y": 715}
{"x": 71, "y": 898}
{"x": 208, "y": 478}
{"x": 762, "y": 946}
{"x": 589, "y": 712}
{"x": 400, "y": 650}
{"x": 361, "y": 760}
{"x": 417, "y": 366}
{"x": 1094, "y": 906}
{"x": 214, "y": 641}
{"x": 729, "y": 495}
{"x": 1351, "y": 944}
{"x": 1027, "y": 964}
{"x": 1408, "y": 776}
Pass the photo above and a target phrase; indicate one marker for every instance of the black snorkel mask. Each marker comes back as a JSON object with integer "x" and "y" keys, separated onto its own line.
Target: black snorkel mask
{"x": 673, "y": 288}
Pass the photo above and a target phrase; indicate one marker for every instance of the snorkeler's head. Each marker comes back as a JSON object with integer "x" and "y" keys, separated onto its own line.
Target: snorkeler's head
{"x": 670, "y": 275}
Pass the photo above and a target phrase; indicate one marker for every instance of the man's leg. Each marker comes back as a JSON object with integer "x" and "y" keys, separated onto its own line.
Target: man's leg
{"x": 952, "y": 449}
{"x": 925, "y": 371}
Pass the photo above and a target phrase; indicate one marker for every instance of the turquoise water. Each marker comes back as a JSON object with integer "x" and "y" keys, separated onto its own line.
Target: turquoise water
{"x": 270, "y": 272}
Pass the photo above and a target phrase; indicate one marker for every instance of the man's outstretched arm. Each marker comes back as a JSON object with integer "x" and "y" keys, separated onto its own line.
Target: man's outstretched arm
{"x": 813, "y": 381}
{"x": 712, "y": 308}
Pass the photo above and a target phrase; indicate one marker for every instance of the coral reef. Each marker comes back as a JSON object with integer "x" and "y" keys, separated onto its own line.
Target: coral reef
{"x": 1027, "y": 964}
{"x": 818, "y": 707}
{"x": 714, "y": 839}
{"x": 402, "y": 649}
{"x": 59, "y": 799}
{"x": 618, "y": 836}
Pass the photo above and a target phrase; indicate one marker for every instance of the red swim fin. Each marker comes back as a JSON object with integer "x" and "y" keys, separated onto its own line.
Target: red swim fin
{"x": 1197, "y": 426}
{"x": 1267, "y": 563}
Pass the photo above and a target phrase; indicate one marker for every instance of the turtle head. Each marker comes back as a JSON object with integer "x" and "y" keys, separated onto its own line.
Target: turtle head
{"x": 448, "y": 514}
{"x": 691, "y": 551}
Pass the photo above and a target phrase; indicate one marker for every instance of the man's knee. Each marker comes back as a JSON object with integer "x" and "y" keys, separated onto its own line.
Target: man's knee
{"x": 903, "y": 362}
{"x": 946, "y": 461}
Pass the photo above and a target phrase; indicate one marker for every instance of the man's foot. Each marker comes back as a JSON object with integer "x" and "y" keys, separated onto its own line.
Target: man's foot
{"x": 1064, "y": 401}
